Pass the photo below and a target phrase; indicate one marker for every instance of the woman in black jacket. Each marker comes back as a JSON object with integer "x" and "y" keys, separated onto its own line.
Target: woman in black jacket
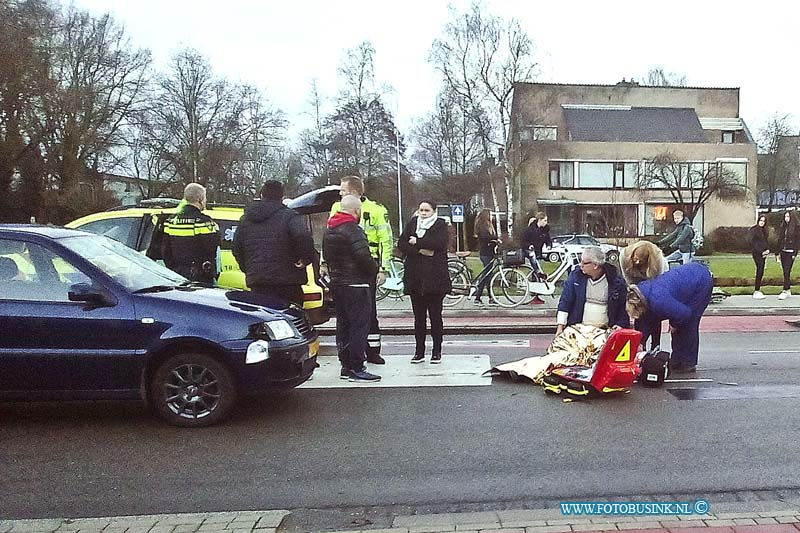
{"x": 426, "y": 278}
{"x": 487, "y": 241}
{"x": 787, "y": 246}
{"x": 760, "y": 251}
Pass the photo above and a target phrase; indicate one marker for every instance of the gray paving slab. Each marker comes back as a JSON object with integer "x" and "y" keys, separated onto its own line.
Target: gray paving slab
{"x": 26, "y": 526}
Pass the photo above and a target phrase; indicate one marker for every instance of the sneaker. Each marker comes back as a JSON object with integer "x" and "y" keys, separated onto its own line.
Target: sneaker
{"x": 536, "y": 301}
{"x": 436, "y": 359}
{"x": 783, "y": 295}
{"x": 758, "y": 295}
{"x": 479, "y": 303}
{"x": 376, "y": 359}
{"x": 363, "y": 375}
{"x": 492, "y": 303}
{"x": 418, "y": 358}
{"x": 344, "y": 374}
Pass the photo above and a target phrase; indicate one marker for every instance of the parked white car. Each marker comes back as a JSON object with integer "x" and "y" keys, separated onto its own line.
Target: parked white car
{"x": 576, "y": 243}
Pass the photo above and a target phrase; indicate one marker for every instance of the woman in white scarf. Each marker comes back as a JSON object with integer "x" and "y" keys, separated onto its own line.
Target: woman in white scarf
{"x": 426, "y": 279}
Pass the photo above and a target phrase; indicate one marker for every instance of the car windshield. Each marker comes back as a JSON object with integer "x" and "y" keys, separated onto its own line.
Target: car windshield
{"x": 126, "y": 266}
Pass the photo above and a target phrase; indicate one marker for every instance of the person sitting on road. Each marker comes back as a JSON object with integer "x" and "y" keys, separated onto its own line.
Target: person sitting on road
{"x": 640, "y": 261}
{"x": 680, "y": 295}
{"x": 593, "y": 294}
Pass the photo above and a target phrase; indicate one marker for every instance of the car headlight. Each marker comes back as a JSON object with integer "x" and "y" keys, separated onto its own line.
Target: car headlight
{"x": 257, "y": 351}
{"x": 279, "y": 330}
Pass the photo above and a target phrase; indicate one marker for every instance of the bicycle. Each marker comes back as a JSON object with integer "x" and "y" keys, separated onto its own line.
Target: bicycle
{"x": 393, "y": 286}
{"x": 508, "y": 285}
{"x": 539, "y": 283}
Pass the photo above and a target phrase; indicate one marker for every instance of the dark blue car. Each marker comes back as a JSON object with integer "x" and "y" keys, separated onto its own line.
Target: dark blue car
{"x": 85, "y": 317}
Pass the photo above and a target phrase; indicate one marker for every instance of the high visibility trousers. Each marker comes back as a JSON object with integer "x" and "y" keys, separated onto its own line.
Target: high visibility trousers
{"x": 374, "y": 337}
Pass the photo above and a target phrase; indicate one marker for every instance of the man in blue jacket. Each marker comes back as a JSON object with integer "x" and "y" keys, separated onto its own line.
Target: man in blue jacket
{"x": 593, "y": 294}
{"x": 680, "y": 295}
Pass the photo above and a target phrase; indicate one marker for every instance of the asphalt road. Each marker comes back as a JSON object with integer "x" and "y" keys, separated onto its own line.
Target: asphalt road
{"x": 330, "y": 448}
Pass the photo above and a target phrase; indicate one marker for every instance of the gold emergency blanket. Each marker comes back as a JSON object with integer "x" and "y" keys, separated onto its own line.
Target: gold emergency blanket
{"x": 579, "y": 344}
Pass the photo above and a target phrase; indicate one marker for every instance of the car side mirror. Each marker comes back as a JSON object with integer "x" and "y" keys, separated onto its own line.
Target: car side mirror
{"x": 85, "y": 292}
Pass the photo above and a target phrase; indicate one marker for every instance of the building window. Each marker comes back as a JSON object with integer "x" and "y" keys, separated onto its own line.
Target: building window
{"x": 596, "y": 175}
{"x": 620, "y": 220}
{"x": 659, "y": 221}
{"x": 545, "y": 133}
{"x": 727, "y": 137}
{"x": 562, "y": 174}
{"x": 631, "y": 178}
{"x": 737, "y": 171}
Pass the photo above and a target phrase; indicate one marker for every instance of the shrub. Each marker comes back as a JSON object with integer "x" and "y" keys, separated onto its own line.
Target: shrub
{"x": 730, "y": 239}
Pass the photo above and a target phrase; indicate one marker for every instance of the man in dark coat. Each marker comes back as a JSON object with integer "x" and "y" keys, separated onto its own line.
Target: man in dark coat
{"x": 680, "y": 295}
{"x": 680, "y": 238}
{"x": 273, "y": 246}
{"x": 593, "y": 294}
{"x": 352, "y": 269}
{"x": 190, "y": 240}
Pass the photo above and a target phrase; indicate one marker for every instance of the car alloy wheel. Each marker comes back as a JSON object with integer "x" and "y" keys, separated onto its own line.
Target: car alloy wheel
{"x": 554, "y": 257}
{"x": 192, "y": 390}
{"x": 612, "y": 256}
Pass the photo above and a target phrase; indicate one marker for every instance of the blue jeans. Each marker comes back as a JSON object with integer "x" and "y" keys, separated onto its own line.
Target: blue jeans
{"x": 685, "y": 257}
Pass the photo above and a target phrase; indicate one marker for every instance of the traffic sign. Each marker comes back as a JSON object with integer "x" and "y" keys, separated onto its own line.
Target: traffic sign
{"x": 458, "y": 213}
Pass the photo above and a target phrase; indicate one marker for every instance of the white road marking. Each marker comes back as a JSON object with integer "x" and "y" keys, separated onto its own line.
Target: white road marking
{"x": 454, "y": 371}
{"x": 774, "y": 351}
{"x": 523, "y": 344}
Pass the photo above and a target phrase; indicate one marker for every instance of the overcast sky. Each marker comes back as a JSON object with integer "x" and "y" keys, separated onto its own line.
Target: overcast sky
{"x": 281, "y": 46}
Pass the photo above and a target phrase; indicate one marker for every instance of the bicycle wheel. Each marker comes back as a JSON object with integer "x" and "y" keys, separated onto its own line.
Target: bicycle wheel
{"x": 455, "y": 267}
{"x": 394, "y": 282}
{"x": 509, "y": 287}
{"x": 459, "y": 291}
{"x": 527, "y": 271}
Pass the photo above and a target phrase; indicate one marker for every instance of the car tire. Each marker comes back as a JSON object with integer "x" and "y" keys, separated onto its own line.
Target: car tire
{"x": 554, "y": 257}
{"x": 192, "y": 390}
{"x": 612, "y": 256}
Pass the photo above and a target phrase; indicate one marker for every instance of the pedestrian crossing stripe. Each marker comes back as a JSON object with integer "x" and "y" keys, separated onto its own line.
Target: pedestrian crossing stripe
{"x": 454, "y": 371}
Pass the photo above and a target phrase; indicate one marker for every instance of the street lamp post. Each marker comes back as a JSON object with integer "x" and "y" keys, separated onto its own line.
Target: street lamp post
{"x": 399, "y": 189}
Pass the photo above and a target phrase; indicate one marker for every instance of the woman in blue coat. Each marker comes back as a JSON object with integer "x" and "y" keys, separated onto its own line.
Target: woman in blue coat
{"x": 680, "y": 296}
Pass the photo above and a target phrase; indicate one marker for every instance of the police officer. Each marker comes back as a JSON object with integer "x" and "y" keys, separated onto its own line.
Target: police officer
{"x": 191, "y": 238}
{"x": 375, "y": 222}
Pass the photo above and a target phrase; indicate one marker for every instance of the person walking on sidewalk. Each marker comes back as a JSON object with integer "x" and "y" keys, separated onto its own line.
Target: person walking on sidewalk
{"x": 760, "y": 250}
{"x": 425, "y": 277}
{"x": 788, "y": 242}
{"x": 375, "y": 223}
{"x": 487, "y": 242}
{"x": 593, "y": 294}
{"x": 640, "y": 261}
{"x": 273, "y": 246}
{"x": 352, "y": 269}
{"x": 535, "y": 237}
{"x": 680, "y": 295}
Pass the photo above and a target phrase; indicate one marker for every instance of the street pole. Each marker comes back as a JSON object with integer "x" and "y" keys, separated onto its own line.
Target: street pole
{"x": 399, "y": 189}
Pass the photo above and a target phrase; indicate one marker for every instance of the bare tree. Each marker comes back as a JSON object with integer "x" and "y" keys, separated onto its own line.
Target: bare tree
{"x": 774, "y": 164}
{"x": 25, "y": 32}
{"x": 657, "y": 76}
{"x": 98, "y": 84}
{"x": 691, "y": 185}
{"x": 480, "y": 58}
{"x": 313, "y": 144}
{"x": 360, "y": 135}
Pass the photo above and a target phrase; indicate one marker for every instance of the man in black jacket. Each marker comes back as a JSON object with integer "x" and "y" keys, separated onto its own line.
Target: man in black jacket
{"x": 191, "y": 238}
{"x": 273, "y": 245}
{"x": 352, "y": 269}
